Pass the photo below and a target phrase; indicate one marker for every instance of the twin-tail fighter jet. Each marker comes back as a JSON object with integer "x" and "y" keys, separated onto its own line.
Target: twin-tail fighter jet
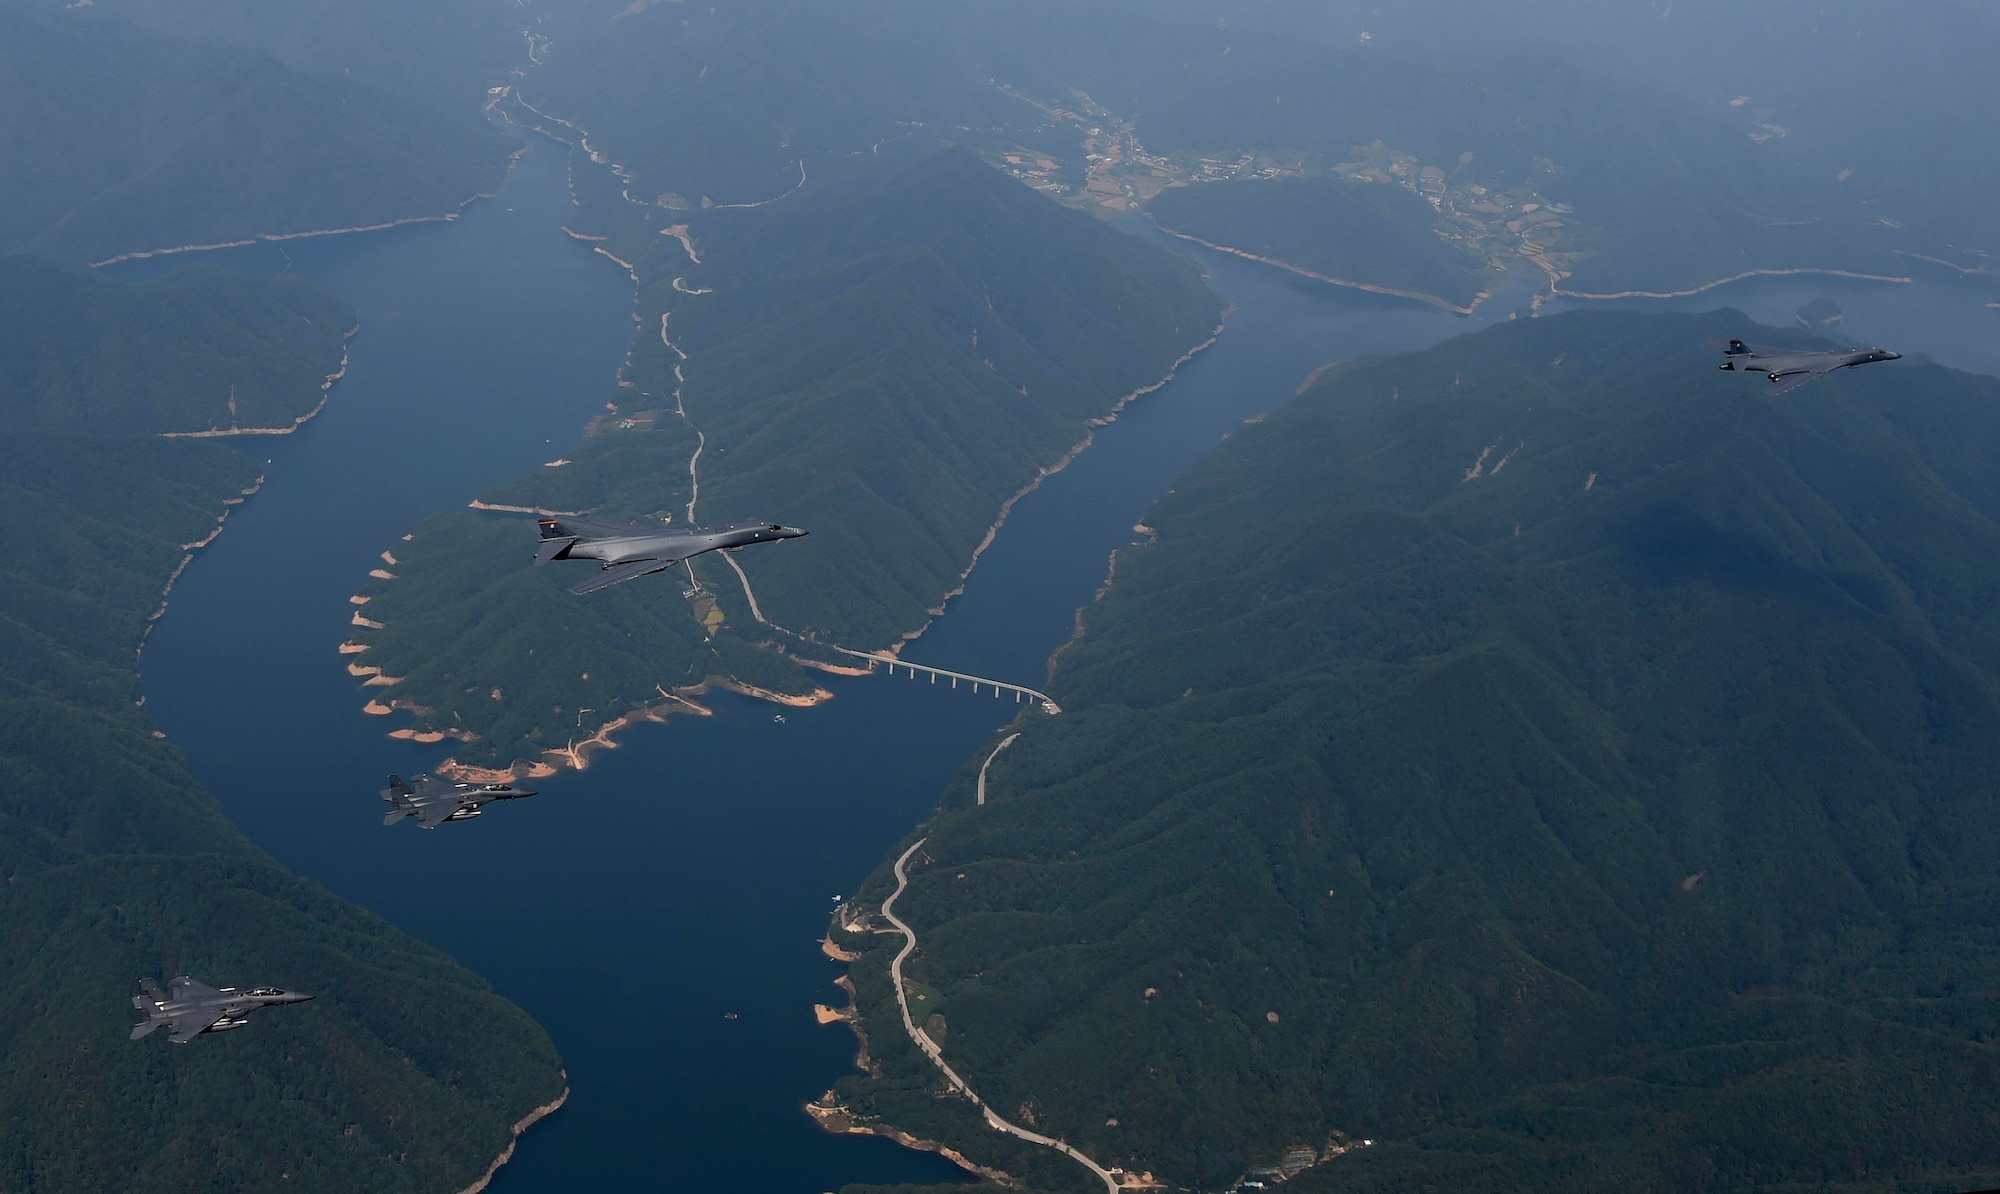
{"x": 1790, "y": 368}
{"x": 434, "y": 801}
{"x": 628, "y": 552}
{"x": 191, "y": 1008}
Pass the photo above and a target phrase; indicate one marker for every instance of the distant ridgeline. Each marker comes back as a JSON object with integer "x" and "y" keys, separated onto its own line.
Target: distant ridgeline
{"x": 1658, "y": 190}
{"x": 1667, "y": 194}
{"x": 140, "y": 125}
{"x": 884, "y": 363}
{"x": 1568, "y": 766}
{"x": 408, "y": 1072}
{"x": 1384, "y": 237}
{"x": 1905, "y": 134}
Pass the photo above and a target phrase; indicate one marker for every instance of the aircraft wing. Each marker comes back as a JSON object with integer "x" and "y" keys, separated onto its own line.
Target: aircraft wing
{"x": 1787, "y": 382}
{"x": 433, "y": 813}
{"x": 618, "y": 574}
{"x": 583, "y": 528}
{"x": 189, "y": 1025}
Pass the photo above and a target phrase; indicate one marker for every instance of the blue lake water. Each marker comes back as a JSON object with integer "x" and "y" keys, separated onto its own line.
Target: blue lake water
{"x": 688, "y": 874}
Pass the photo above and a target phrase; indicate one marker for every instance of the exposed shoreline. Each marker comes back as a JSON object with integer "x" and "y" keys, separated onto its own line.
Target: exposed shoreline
{"x": 476, "y": 504}
{"x": 1556, "y": 291}
{"x": 1370, "y": 287}
{"x": 275, "y": 237}
{"x": 188, "y": 550}
{"x": 839, "y": 1121}
{"x": 325, "y": 392}
{"x": 527, "y": 1121}
{"x": 577, "y": 754}
{"x": 1043, "y": 474}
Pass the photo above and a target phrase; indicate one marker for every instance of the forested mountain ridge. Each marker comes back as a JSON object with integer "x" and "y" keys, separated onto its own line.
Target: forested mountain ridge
{"x": 884, "y": 365}
{"x": 127, "y": 140}
{"x": 407, "y": 1072}
{"x": 1568, "y": 766}
{"x": 80, "y": 352}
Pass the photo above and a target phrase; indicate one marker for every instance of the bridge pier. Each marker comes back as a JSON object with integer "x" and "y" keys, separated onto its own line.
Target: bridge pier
{"x": 1021, "y": 692}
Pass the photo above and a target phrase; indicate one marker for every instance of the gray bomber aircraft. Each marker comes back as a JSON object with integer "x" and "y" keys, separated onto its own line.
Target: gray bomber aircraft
{"x": 434, "y": 801}
{"x": 192, "y": 1008}
{"x": 627, "y": 552}
{"x": 1790, "y": 368}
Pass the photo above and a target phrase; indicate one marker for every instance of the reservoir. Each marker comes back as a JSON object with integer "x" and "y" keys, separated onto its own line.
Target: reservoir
{"x": 660, "y": 912}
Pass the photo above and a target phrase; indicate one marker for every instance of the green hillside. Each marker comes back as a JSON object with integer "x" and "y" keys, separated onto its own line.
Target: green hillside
{"x": 721, "y": 104}
{"x": 884, "y": 365}
{"x": 79, "y": 352}
{"x": 1561, "y": 763}
{"x": 1375, "y": 235}
{"x": 125, "y": 140}
{"x": 407, "y": 1071}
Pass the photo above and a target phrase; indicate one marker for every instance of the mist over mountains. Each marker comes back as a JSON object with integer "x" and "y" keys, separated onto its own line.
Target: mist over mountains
{"x": 1539, "y": 761}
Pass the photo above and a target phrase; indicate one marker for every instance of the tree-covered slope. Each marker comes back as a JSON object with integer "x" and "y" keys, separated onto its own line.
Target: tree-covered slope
{"x": 1376, "y": 235}
{"x": 884, "y": 365}
{"x": 1564, "y": 764}
{"x": 723, "y": 104}
{"x": 407, "y": 1071}
{"x": 124, "y": 140}
{"x": 193, "y": 350}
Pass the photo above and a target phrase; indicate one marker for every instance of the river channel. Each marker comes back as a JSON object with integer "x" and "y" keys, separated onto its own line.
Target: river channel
{"x": 659, "y": 913}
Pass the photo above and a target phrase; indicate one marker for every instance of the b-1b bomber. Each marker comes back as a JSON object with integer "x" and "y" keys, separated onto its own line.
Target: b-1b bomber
{"x": 190, "y": 1008}
{"x": 631, "y": 551}
{"x": 1790, "y": 368}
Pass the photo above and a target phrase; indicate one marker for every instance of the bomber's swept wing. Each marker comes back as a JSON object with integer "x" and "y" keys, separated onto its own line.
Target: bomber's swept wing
{"x": 1787, "y": 381}
{"x": 618, "y": 574}
{"x": 583, "y": 528}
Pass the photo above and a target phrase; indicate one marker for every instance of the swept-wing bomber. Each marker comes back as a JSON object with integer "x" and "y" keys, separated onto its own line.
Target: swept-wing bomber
{"x": 627, "y": 552}
{"x": 190, "y": 1008}
{"x": 1790, "y": 368}
{"x": 434, "y": 801}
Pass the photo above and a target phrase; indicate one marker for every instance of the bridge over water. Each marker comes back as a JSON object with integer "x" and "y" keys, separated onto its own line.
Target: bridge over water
{"x": 1021, "y": 693}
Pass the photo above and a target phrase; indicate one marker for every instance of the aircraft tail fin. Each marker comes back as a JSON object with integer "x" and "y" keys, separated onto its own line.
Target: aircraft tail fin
{"x": 1736, "y": 349}
{"x": 398, "y": 796}
{"x": 140, "y": 1030}
{"x": 553, "y": 549}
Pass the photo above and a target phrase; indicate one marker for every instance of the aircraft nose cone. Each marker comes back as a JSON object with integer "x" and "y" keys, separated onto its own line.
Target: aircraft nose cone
{"x": 521, "y": 792}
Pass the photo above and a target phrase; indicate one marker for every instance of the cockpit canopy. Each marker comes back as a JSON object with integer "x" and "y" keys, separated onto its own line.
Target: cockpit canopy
{"x": 265, "y": 991}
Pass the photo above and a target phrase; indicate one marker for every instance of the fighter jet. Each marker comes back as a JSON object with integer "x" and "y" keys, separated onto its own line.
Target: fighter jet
{"x": 194, "y": 1008}
{"x": 627, "y": 552}
{"x": 1790, "y": 368}
{"x": 434, "y": 801}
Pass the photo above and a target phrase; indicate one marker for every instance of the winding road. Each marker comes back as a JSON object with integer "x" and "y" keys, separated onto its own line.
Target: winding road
{"x": 936, "y": 1055}
{"x": 1004, "y": 744}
